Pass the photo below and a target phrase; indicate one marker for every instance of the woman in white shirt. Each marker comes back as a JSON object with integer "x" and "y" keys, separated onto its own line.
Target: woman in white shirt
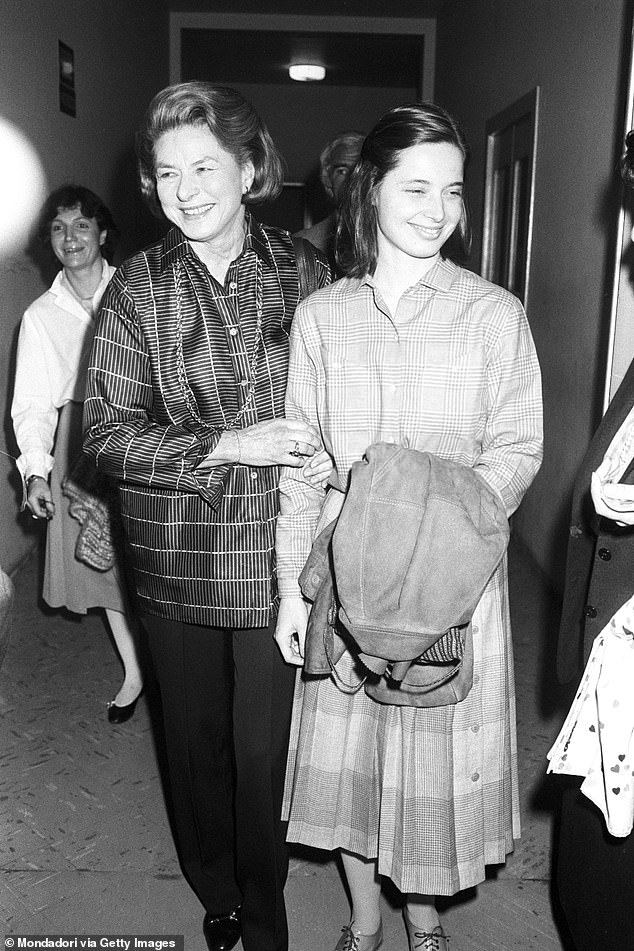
{"x": 53, "y": 348}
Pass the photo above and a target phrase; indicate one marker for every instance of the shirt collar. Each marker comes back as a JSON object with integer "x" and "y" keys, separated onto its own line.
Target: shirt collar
{"x": 440, "y": 277}
{"x": 61, "y": 285}
{"x": 256, "y": 240}
{"x": 175, "y": 246}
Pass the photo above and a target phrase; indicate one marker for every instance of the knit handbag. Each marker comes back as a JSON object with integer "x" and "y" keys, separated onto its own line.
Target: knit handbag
{"x": 92, "y": 497}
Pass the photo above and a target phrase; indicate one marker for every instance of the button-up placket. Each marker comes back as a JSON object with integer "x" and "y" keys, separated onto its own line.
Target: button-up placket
{"x": 240, "y": 331}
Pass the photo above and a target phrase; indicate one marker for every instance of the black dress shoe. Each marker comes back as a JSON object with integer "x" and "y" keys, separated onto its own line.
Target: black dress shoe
{"x": 118, "y": 714}
{"x": 222, "y": 933}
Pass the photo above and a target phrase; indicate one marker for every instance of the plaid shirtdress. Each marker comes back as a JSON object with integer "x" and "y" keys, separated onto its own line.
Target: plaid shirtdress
{"x": 430, "y": 792}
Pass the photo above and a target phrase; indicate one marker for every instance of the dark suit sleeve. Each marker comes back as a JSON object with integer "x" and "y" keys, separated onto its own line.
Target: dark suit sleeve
{"x": 600, "y": 557}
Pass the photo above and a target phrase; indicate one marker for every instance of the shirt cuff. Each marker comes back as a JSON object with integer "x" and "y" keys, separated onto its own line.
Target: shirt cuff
{"x": 211, "y": 484}
{"x": 288, "y": 587}
{"x": 34, "y": 463}
{"x": 30, "y": 464}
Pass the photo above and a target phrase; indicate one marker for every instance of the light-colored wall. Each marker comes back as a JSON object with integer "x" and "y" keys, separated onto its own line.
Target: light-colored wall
{"x": 490, "y": 54}
{"x": 121, "y": 60}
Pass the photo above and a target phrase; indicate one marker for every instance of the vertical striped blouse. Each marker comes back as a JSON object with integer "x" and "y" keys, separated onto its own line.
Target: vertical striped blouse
{"x": 174, "y": 359}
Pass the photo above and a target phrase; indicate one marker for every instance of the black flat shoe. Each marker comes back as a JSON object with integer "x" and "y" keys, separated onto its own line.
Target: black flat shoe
{"x": 118, "y": 714}
{"x": 222, "y": 933}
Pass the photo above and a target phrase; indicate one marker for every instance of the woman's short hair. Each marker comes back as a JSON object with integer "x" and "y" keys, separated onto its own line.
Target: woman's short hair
{"x": 399, "y": 129}
{"x": 91, "y": 206}
{"x": 228, "y": 116}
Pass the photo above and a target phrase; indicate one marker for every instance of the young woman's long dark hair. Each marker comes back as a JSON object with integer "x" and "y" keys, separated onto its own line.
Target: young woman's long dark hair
{"x": 399, "y": 129}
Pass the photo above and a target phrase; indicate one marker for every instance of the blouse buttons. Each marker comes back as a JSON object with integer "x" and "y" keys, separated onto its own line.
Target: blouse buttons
{"x": 605, "y": 554}
{"x": 233, "y": 285}
{"x": 233, "y": 331}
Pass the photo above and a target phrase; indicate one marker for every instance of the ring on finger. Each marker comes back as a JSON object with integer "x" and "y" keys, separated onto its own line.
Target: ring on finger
{"x": 295, "y": 450}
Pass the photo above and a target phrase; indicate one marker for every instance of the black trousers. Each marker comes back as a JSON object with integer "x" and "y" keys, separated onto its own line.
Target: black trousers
{"x": 227, "y": 697}
{"x": 595, "y": 877}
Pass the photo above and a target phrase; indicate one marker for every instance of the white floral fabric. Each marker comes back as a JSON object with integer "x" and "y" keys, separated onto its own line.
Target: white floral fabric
{"x": 597, "y": 738}
{"x": 614, "y": 499}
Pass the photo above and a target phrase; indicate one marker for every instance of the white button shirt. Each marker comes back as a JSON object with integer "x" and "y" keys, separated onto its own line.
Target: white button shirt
{"x": 597, "y": 738}
{"x": 53, "y": 348}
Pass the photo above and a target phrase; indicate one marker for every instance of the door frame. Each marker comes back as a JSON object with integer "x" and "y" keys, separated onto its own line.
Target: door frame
{"x": 622, "y": 293}
{"x": 527, "y": 104}
{"x": 424, "y": 27}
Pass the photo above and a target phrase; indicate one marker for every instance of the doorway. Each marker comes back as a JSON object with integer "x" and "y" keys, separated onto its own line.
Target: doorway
{"x": 509, "y": 194}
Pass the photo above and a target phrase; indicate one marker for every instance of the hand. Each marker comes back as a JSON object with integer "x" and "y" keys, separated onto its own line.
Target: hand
{"x": 276, "y": 442}
{"x": 39, "y": 498}
{"x": 287, "y": 442}
{"x": 290, "y": 631}
{"x": 318, "y": 469}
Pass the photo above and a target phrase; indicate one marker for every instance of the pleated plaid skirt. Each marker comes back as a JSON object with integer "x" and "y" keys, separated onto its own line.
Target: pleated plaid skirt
{"x": 431, "y": 793}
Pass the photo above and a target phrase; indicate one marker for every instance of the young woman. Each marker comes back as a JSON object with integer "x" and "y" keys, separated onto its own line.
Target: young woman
{"x": 408, "y": 348}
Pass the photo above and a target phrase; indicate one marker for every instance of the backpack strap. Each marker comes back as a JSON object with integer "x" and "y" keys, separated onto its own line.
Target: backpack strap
{"x": 306, "y": 258}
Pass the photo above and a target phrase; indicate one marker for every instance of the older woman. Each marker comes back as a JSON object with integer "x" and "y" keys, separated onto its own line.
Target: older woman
{"x": 55, "y": 338}
{"x": 186, "y": 407}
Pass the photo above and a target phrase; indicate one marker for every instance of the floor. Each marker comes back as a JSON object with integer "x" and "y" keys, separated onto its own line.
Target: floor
{"x": 85, "y": 846}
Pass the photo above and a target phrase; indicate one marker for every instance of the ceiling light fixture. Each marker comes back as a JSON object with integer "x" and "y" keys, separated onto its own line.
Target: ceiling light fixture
{"x": 306, "y": 72}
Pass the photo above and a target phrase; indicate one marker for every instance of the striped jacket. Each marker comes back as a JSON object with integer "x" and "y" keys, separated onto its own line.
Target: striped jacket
{"x": 170, "y": 368}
